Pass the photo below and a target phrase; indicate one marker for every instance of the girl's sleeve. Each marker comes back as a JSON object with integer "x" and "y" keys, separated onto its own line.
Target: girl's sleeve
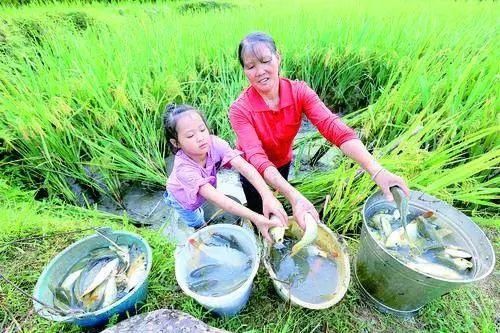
{"x": 224, "y": 151}
{"x": 328, "y": 123}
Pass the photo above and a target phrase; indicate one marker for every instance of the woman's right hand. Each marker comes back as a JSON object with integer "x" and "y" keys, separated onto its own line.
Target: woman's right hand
{"x": 263, "y": 224}
{"x": 272, "y": 207}
{"x": 301, "y": 206}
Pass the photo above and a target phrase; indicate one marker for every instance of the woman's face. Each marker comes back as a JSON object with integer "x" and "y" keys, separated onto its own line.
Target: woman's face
{"x": 261, "y": 67}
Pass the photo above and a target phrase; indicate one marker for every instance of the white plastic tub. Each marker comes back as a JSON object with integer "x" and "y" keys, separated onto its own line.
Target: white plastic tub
{"x": 232, "y": 303}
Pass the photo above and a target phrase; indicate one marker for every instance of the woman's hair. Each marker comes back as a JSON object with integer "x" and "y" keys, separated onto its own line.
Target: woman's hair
{"x": 170, "y": 117}
{"x": 253, "y": 39}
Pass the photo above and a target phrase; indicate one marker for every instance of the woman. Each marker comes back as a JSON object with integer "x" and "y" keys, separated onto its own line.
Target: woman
{"x": 267, "y": 116}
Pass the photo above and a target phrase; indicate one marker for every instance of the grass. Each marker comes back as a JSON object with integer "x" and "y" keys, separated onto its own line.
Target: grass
{"x": 463, "y": 310}
{"x": 83, "y": 86}
{"x": 90, "y": 94}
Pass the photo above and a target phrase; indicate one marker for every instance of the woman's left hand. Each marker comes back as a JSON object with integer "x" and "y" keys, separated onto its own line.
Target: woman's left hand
{"x": 272, "y": 206}
{"x": 386, "y": 179}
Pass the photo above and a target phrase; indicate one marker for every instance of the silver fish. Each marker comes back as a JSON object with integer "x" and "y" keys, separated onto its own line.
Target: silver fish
{"x": 435, "y": 270}
{"x": 110, "y": 291}
{"x": 202, "y": 285}
{"x": 96, "y": 275}
{"x": 397, "y": 238}
{"x": 203, "y": 270}
{"x": 456, "y": 252}
{"x": 221, "y": 254}
{"x": 71, "y": 279}
{"x": 93, "y": 300}
{"x": 460, "y": 264}
{"x": 229, "y": 288}
{"x": 62, "y": 299}
{"x": 136, "y": 272}
{"x": 379, "y": 219}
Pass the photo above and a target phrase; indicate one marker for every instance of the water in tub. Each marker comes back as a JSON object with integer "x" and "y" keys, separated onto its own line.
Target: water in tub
{"x": 218, "y": 265}
{"x": 311, "y": 275}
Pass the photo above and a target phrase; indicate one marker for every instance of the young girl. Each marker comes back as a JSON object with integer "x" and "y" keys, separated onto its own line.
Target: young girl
{"x": 198, "y": 156}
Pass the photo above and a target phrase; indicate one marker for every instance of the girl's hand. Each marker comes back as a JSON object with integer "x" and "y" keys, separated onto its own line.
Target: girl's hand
{"x": 386, "y": 179}
{"x": 263, "y": 224}
{"x": 272, "y": 206}
{"x": 302, "y": 206}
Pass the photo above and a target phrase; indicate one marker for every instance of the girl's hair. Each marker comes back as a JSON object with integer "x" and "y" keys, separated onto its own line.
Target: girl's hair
{"x": 253, "y": 39}
{"x": 170, "y": 117}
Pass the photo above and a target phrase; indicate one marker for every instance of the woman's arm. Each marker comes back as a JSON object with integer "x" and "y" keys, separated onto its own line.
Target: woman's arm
{"x": 382, "y": 177}
{"x": 270, "y": 204}
{"x": 338, "y": 133}
{"x": 220, "y": 200}
{"x": 300, "y": 204}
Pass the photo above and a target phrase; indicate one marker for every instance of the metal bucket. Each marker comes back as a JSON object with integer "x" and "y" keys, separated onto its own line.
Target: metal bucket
{"x": 397, "y": 289}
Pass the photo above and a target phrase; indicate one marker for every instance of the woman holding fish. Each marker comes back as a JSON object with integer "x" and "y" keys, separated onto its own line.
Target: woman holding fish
{"x": 266, "y": 118}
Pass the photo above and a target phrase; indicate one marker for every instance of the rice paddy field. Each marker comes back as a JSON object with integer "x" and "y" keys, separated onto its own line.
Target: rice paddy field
{"x": 82, "y": 90}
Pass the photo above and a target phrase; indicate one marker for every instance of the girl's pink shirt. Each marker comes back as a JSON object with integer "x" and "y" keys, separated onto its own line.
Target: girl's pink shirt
{"x": 188, "y": 176}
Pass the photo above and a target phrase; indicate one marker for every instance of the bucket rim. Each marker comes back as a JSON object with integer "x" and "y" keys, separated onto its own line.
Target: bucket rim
{"x": 468, "y": 219}
{"x": 247, "y": 284}
{"x": 77, "y": 317}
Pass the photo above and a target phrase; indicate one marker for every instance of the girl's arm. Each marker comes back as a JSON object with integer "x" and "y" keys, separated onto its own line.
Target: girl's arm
{"x": 220, "y": 200}
{"x": 270, "y": 205}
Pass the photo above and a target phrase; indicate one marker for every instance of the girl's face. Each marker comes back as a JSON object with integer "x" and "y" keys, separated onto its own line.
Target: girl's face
{"x": 261, "y": 68}
{"x": 193, "y": 136}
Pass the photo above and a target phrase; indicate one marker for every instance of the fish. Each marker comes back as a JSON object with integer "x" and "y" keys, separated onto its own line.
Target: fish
{"x": 310, "y": 234}
{"x": 110, "y": 292}
{"x": 202, "y": 270}
{"x": 221, "y": 254}
{"x": 229, "y": 288}
{"x": 230, "y": 240}
{"x": 99, "y": 279}
{"x": 216, "y": 239}
{"x": 71, "y": 279}
{"x": 435, "y": 270}
{"x": 457, "y": 252}
{"x": 382, "y": 222}
{"x": 136, "y": 272}
{"x": 451, "y": 250}
{"x": 202, "y": 285}
{"x": 121, "y": 281}
{"x": 93, "y": 300}
{"x": 89, "y": 280}
{"x": 397, "y": 238}
{"x": 460, "y": 264}
{"x": 401, "y": 201}
{"x": 62, "y": 298}
{"x": 277, "y": 234}
{"x": 314, "y": 250}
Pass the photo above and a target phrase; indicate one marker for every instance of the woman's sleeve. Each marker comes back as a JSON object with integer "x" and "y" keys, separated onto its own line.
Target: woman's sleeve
{"x": 247, "y": 140}
{"x": 328, "y": 124}
{"x": 224, "y": 151}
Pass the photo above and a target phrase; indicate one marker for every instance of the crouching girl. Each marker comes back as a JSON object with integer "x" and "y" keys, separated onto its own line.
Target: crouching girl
{"x": 198, "y": 156}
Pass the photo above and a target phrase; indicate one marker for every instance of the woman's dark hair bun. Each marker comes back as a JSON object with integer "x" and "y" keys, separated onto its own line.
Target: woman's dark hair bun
{"x": 170, "y": 107}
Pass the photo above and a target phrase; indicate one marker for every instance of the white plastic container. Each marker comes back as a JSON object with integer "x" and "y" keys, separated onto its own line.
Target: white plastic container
{"x": 232, "y": 303}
